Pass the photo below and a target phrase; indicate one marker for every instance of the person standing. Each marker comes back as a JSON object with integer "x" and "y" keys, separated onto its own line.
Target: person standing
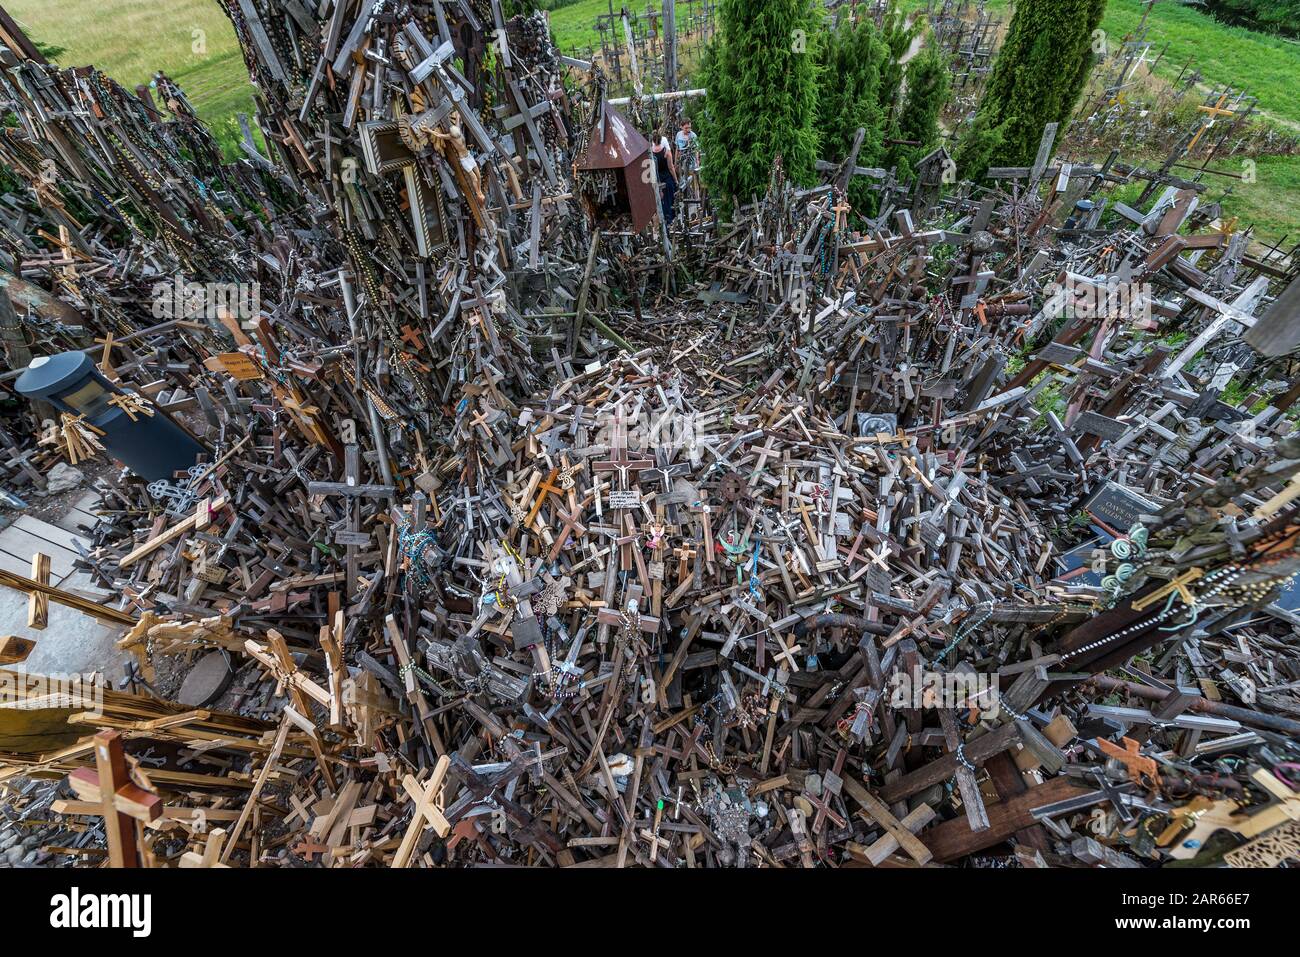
{"x": 688, "y": 153}
{"x": 666, "y": 171}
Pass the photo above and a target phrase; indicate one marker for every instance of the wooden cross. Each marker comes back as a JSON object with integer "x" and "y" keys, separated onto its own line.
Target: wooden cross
{"x": 824, "y": 810}
{"x": 666, "y": 473}
{"x": 109, "y": 785}
{"x": 905, "y": 375}
{"x": 704, "y": 510}
{"x": 211, "y": 856}
{"x": 652, "y": 836}
{"x": 570, "y": 524}
{"x": 971, "y": 800}
{"x": 879, "y": 812}
{"x": 618, "y": 459}
{"x": 610, "y": 616}
{"x": 885, "y": 845}
{"x": 1211, "y": 112}
{"x": 879, "y": 559}
{"x": 1141, "y": 769}
{"x": 427, "y": 811}
{"x": 131, "y": 404}
{"x": 287, "y": 674}
{"x": 480, "y": 420}
{"x": 1178, "y": 584}
{"x": 352, "y": 490}
{"x": 38, "y": 603}
{"x": 625, "y": 543}
{"x": 413, "y": 337}
{"x": 544, "y": 488}
{"x": 787, "y": 652}
{"x": 683, "y": 554}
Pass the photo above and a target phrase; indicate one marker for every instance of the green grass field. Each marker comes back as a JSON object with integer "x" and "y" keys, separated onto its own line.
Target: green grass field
{"x": 130, "y": 39}
{"x": 1264, "y": 66}
{"x": 190, "y": 40}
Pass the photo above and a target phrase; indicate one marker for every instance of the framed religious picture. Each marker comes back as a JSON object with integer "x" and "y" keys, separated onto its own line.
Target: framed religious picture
{"x": 428, "y": 215}
{"x": 383, "y": 148}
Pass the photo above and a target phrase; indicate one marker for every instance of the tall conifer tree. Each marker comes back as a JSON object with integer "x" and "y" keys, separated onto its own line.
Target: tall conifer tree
{"x": 852, "y": 56}
{"x": 928, "y": 82}
{"x": 1037, "y": 78}
{"x": 762, "y": 102}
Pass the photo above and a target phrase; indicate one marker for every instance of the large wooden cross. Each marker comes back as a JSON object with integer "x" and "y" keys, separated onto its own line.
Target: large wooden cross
{"x": 571, "y": 523}
{"x": 610, "y": 616}
{"x": 427, "y": 811}
{"x": 109, "y": 785}
{"x": 352, "y": 490}
{"x": 1211, "y": 112}
{"x": 618, "y": 460}
{"x": 544, "y": 488}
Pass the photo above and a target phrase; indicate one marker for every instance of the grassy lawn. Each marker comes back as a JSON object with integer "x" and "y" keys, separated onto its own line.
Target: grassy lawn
{"x": 1264, "y": 66}
{"x": 574, "y": 26}
{"x": 130, "y": 40}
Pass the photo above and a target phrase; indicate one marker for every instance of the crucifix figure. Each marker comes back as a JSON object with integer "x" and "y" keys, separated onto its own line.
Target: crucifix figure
{"x": 618, "y": 459}
{"x": 665, "y": 473}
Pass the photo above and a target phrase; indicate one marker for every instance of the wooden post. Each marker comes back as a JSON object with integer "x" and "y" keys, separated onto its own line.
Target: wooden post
{"x": 38, "y": 603}
{"x": 670, "y": 46}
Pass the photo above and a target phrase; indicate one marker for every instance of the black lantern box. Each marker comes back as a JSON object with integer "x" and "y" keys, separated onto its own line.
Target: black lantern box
{"x": 152, "y": 446}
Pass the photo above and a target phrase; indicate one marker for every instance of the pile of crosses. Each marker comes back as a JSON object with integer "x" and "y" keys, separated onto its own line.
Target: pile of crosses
{"x": 835, "y": 558}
